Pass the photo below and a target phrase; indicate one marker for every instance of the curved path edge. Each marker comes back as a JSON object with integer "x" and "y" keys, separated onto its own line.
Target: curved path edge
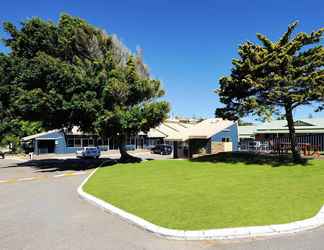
{"x": 216, "y": 234}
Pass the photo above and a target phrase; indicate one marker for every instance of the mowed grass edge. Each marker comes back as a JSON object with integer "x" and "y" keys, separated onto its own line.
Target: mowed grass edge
{"x": 181, "y": 194}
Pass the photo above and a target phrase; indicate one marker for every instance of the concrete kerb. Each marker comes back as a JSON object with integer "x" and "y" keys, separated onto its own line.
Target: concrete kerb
{"x": 210, "y": 234}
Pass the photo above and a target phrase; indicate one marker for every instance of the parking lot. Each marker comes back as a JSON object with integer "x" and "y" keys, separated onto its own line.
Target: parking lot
{"x": 18, "y": 169}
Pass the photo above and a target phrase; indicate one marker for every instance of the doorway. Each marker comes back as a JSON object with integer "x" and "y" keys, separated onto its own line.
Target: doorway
{"x": 46, "y": 146}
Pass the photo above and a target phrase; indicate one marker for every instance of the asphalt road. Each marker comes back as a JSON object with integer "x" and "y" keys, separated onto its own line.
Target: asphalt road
{"x": 46, "y": 213}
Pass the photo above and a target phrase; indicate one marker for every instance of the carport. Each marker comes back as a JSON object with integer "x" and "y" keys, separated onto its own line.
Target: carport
{"x": 44, "y": 143}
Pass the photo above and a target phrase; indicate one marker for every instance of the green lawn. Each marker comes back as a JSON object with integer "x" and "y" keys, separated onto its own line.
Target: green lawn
{"x": 181, "y": 194}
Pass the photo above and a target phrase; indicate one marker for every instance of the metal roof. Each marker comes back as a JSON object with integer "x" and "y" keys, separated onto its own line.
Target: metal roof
{"x": 155, "y": 133}
{"x": 301, "y": 126}
{"x": 168, "y": 128}
{"x": 202, "y": 130}
{"x": 209, "y": 127}
{"x": 31, "y": 137}
{"x": 247, "y": 131}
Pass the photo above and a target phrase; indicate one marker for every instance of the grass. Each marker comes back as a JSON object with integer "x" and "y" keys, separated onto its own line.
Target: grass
{"x": 194, "y": 195}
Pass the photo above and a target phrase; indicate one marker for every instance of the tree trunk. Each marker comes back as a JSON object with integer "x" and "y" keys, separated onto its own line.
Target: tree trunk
{"x": 292, "y": 134}
{"x": 124, "y": 156}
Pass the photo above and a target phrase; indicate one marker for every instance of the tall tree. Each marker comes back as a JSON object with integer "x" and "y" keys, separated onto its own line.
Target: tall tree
{"x": 13, "y": 130}
{"x": 271, "y": 77}
{"x": 73, "y": 74}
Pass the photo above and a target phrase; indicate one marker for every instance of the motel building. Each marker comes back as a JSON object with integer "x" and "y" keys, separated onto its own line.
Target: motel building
{"x": 209, "y": 136}
{"x": 188, "y": 137}
{"x": 264, "y": 136}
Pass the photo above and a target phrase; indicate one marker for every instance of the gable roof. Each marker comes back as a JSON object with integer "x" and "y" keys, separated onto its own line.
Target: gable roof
{"x": 207, "y": 128}
{"x": 168, "y": 128}
{"x": 155, "y": 133}
{"x": 202, "y": 130}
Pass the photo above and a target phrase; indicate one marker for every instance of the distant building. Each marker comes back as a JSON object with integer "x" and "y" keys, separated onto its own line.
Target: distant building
{"x": 61, "y": 141}
{"x": 279, "y": 128}
{"x": 197, "y": 138}
{"x": 187, "y": 136}
{"x": 307, "y": 131}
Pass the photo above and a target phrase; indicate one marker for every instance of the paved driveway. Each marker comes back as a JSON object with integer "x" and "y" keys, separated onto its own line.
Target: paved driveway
{"x": 46, "y": 213}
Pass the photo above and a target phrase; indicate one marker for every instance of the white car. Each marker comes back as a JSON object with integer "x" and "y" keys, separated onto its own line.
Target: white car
{"x": 88, "y": 152}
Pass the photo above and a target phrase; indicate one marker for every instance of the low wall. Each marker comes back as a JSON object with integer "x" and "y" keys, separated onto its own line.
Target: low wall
{"x": 218, "y": 147}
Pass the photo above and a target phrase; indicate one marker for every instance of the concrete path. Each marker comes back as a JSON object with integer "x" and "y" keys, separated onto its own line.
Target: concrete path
{"x": 48, "y": 214}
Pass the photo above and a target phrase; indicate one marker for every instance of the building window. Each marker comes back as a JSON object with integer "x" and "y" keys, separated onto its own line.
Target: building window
{"x": 226, "y": 139}
{"x": 91, "y": 142}
{"x": 85, "y": 142}
{"x": 70, "y": 142}
{"x": 77, "y": 142}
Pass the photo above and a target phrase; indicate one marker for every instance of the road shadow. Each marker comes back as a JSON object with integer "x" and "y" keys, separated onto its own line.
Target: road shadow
{"x": 251, "y": 158}
{"x": 53, "y": 165}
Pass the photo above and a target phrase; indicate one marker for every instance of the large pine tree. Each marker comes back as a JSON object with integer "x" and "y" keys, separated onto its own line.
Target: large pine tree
{"x": 272, "y": 77}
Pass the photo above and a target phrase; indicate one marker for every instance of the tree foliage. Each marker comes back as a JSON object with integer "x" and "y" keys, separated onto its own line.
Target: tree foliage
{"x": 13, "y": 130}
{"x": 72, "y": 73}
{"x": 273, "y": 76}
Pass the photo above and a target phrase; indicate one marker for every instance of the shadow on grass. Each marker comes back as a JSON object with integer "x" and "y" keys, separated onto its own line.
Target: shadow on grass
{"x": 251, "y": 158}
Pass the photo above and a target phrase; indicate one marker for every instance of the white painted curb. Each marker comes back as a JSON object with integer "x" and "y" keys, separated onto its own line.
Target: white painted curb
{"x": 216, "y": 234}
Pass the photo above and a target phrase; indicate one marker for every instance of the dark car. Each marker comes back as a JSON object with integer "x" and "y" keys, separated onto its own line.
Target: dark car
{"x": 162, "y": 149}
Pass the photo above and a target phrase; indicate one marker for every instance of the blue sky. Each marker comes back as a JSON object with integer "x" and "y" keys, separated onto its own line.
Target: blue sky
{"x": 188, "y": 45}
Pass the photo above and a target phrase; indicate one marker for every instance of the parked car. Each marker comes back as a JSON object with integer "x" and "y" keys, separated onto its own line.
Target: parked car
{"x": 5, "y": 150}
{"x": 2, "y": 154}
{"x": 162, "y": 149}
{"x": 149, "y": 147}
{"x": 88, "y": 152}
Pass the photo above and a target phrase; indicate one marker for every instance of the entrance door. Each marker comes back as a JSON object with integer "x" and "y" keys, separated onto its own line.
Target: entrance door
{"x": 46, "y": 146}
{"x": 175, "y": 149}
